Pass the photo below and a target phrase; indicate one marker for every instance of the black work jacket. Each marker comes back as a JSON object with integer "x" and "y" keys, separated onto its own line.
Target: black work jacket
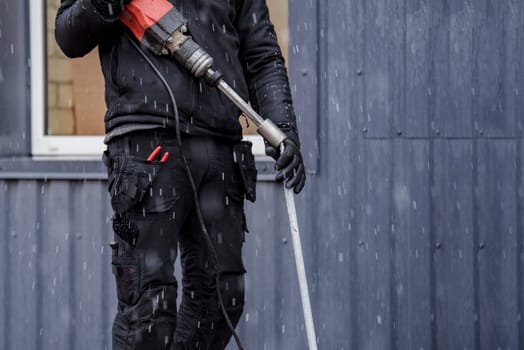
{"x": 239, "y": 36}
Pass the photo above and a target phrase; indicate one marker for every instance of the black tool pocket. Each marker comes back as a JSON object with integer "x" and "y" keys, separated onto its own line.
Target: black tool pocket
{"x": 243, "y": 156}
{"x": 126, "y": 271}
{"x": 130, "y": 179}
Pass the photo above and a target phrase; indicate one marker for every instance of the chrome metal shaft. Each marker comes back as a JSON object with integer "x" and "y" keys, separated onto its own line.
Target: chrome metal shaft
{"x": 265, "y": 127}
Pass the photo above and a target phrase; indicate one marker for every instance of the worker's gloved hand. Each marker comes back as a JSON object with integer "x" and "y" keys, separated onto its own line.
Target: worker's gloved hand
{"x": 271, "y": 151}
{"x": 291, "y": 132}
{"x": 110, "y": 8}
{"x": 290, "y": 166}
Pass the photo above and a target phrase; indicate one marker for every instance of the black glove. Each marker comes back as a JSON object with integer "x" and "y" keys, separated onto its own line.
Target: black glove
{"x": 292, "y": 134}
{"x": 290, "y": 166}
{"x": 271, "y": 151}
{"x": 110, "y": 8}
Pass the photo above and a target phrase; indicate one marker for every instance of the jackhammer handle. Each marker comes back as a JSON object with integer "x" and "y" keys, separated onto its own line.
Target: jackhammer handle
{"x": 265, "y": 127}
{"x": 272, "y": 133}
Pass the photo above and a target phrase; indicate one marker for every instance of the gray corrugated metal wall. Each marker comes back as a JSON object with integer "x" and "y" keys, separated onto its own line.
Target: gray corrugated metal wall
{"x": 412, "y": 116}
{"x": 57, "y": 292}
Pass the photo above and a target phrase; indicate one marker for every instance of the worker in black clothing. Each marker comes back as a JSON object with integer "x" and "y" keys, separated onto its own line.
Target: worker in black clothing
{"x": 151, "y": 195}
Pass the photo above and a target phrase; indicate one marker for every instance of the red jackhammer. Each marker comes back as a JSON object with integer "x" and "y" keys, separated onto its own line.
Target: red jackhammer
{"x": 160, "y": 27}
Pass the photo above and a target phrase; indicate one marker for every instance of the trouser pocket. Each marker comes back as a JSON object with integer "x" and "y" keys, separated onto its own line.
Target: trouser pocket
{"x": 126, "y": 271}
{"x": 129, "y": 180}
{"x": 243, "y": 157}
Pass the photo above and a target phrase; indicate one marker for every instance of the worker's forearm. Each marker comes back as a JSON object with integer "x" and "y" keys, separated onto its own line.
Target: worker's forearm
{"x": 270, "y": 95}
{"x": 264, "y": 66}
{"x": 80, "y": 27}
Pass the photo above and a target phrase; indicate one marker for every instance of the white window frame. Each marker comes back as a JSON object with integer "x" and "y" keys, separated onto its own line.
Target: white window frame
{"x": 42, "y": 144}
{"x": 66, "y": 146}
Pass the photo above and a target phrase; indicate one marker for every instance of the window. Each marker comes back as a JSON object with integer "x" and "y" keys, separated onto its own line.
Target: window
{"x": 60, "y": 125}
{"x": 68, "y": 94}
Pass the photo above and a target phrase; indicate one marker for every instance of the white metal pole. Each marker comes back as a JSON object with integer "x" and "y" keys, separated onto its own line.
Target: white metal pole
{"x": 301, "y": 269}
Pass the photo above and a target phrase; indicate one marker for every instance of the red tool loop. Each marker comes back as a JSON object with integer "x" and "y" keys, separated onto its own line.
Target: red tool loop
{"x": 155, "y": 153}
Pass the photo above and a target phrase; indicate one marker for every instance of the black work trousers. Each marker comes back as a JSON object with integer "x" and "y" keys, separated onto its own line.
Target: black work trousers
{"x": 154, "y": 212}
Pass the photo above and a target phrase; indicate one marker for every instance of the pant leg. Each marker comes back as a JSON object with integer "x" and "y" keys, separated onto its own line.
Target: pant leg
{"x": 200, "y": 324}
{"x": 151, "y": 204}
{"x": 232, "y": 287}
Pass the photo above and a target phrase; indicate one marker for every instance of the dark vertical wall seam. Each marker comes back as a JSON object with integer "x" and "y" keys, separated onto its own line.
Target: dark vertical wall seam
{"x": 353, "y": 251}
{"x": 322, "y": 78}
{"x": 73, "y": 220}
{"x": 475, "y": 100}
{"x": 431, "y": 255}
{"x": 39, "y": 285}
{"x": 322, "y": 127}
{"x": 364, "y": 67}
{"x": 392, "y": 230}
{"x": 520, "y": 246}
{"x": 15, "y": 100}
{"x": 105, "y": 210}
{"x": 502, "y": 56}
{"x": 476, "y": 232}
{"x": 277, "y": 274}
{"x": 520, "y": 181}
{"x": 404, "y": 73}
{"x": 7, "y": 225}
{"x": 357, "y": 141}
{"x": 356, "y": 337}
{"x": 432, "y": 84}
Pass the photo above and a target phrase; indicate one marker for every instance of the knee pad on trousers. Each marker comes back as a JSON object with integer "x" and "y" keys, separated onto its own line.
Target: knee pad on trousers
{"x": 156, "y": 334}
{"x": 148, "y": 324}
{"x": 212, "y": 331}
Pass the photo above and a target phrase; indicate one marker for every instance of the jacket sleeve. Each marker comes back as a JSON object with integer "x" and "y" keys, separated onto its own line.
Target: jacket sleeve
{"x": 264, "y": 66}
{"x": 80, "y": 27}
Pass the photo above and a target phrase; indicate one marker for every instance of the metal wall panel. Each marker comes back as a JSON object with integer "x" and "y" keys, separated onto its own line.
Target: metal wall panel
{"x": 497, "y": 244}
{"x": 519, "y": 76}
{"x": 452, "y": 69}
{"x": 453, "y": 245}
{"x": 413, "y": 118}
{"x": 496, "y": 24}
{"x": 304, "y": 67}
{"x": 4, "y": 270}
{"x": 91, "y": 313}
{"x": 378, "y": 119}
{"x": 373, "y": 258}
{"x": 54, "y": 264}
{"x": 23, "y": 282}
{"x": 520, "y": 237}
{"x": 411, "y": 245}
{"x": 334, "y": 238}
{"x": 14, "y": 78}
{"x": 57, "y": 294}
{"x": 433, "y": 68}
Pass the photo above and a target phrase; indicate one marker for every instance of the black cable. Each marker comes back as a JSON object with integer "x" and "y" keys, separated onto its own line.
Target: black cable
{"x": 198, "y": 209}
